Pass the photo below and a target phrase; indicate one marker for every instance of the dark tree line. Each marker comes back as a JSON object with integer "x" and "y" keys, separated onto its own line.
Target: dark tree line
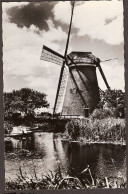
{"x": 26, "y": 100}
{"x": 23, "y": 100}
{"x": 113, "y": 99}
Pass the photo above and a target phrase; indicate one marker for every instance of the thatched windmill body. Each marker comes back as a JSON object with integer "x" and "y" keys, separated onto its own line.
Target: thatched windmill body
{"x": 77, "y": 87}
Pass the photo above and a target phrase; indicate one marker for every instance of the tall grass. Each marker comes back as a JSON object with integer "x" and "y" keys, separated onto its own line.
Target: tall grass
{"x": 102, "y": 128}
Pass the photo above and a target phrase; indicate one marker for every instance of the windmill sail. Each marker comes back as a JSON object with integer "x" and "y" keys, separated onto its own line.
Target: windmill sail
{"x": 102, "y": 73}
{"x": 51, "y": 56}
{"x": 54, "y": 57}
{"x": 103, "y": 76}
{"x": 64, "y": 66}
{"x": 62, "y": 90}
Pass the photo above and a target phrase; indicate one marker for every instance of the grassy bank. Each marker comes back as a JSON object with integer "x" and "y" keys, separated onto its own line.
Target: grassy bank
{"x": 103, "y": 128}
{"x": 59, "y": 181}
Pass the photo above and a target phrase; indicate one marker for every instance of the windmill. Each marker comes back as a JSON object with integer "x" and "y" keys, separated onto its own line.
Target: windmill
{"x": 77, "y": 87}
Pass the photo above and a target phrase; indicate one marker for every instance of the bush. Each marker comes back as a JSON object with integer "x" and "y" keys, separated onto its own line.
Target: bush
{"x": 103, "y": 113}
{"x": 113, "y": 99}
{"x": 74, "y": 128}
{"x": 8, "y": 127}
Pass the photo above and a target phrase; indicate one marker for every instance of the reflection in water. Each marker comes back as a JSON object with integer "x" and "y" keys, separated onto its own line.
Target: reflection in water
{"x": 18, "y": 143}
{"x": 61, "y": 157}
{"x": 44, "y": 142}
{"x": 104, "y": 160}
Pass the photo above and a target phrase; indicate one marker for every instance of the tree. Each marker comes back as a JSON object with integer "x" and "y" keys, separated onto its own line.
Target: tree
{"x": 24, "y": 100}
{"x": 115, "y": 99}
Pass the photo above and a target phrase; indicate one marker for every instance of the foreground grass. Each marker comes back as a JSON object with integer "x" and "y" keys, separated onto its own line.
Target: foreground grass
{"x": 58, "y": 181}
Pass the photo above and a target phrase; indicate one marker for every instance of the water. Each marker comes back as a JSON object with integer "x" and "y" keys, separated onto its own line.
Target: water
{"x": 73, "y": 158}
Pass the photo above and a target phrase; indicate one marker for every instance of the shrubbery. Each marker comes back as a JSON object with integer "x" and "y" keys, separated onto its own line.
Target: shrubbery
{"x": 114, "y": 100}
{"x": 103, "y": 129}
{"x": 8, "y": 127}
{"x": 103, "y": 113}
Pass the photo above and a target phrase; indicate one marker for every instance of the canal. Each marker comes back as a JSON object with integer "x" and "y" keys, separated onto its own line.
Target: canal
{"x": 49, "y": 152}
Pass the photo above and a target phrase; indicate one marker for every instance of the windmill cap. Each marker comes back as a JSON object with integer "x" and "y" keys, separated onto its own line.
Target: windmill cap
{"x": 83, "y": 57}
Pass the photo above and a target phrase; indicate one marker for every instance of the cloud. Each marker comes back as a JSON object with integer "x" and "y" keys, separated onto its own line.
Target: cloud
{"x": 90, "y": 19}
{"x": 114, "y": 74}
{"x": 27, "y": 14}
{"x": 8, "y": 5}
{"x": 22, "y": 49}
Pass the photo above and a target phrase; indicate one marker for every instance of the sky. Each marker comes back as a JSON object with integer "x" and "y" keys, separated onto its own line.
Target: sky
{"x": 97, "y": 27}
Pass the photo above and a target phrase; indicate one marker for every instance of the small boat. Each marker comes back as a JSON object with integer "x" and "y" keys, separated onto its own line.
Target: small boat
{"x": 34, "y": 128}
{"x": 37, "y": 127}
{"x": 20, "y": 131}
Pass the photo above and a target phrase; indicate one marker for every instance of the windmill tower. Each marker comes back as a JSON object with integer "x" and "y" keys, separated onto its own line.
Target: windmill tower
{"x": 77, "y": 87}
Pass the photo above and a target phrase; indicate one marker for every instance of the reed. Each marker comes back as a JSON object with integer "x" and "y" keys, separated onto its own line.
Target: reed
{"x": 58, "y": 181}
{"x": 95, "y": 129}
